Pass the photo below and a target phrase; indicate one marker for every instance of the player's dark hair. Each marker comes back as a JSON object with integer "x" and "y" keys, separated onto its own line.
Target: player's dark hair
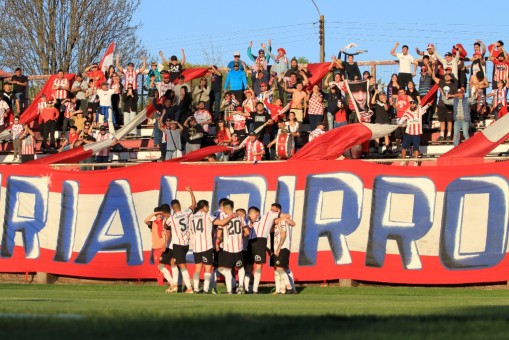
{"x": 242, "y": 210}
{"x": 165, "y": 208}
{"x": 200, "y": 205}
{"x": 404, "y": 46}
{"x": 222, "y": 200}
{"x": 254, "y": 208}
{"x": 277, "y": 205}
{"x": 173, "y": 202}
{"x": 157, "y": 209}
{"x": 229, "y": 203}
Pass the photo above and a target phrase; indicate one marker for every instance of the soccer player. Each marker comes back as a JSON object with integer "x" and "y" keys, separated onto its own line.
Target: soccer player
{"x": 282, "y": 240}
{"x": 246, "y": 250}
{"x": 217, "y": 214}
{"x": 160, "y": 240}
{"x": 201, "y": 227}
{"x": 232, "y": 236}
{"x": 178, "y": 224}
{"x": 261, "y": 227}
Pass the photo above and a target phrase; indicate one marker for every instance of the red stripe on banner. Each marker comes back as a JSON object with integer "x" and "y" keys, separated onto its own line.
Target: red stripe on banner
{"x": 318, "y": 71}
{"x": 432, "y": 272}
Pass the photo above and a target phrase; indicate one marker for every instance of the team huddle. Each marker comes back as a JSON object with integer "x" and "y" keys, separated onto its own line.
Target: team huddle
{"x": 228, "y": 241}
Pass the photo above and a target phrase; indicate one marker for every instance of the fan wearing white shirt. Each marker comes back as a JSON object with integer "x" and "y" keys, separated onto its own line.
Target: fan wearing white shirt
{"x": 405, "y": 65}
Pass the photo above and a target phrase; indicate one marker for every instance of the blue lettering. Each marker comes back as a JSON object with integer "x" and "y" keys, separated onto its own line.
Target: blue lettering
{"x": 335, "y": 229}
{"x": 68, "y": 218}
{"x": 118, "y": 200}
{"x": 18, "y": 212}
{"x": 254, "y": 186}
{"x": 497, "y": 190}
{"x": 405, "y": 233}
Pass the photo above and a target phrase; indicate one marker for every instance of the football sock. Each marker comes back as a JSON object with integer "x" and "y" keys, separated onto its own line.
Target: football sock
{"x": 213, "y": 278}
{"x": 242, "y": 274}
{"x": 257, "y": 277}
{"x": 247, "y": 279}
{"x": 186, "y": 278}
{"x": 290, "y": 277}
{"x": 277, "y": 280}
{"x": 284, "y": 277}
{"x": 166, "y": 274}
{"x": 206, "y": 282}
{"x": 196, "y": 281}
{"x": 227, "y": 273}
{"x": 174, "y": 275}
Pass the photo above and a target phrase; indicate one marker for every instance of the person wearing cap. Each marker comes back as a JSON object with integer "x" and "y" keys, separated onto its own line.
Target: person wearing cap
{"x": 406, "y": 61}
{"x": 193, "y": 135}
{"x": 103, "y": 155}
{"x": 92, "y": 72}
{"x": 462, "y": 117}
{"x": 165, "y": 84}
{"x": 173, "y": 133}
{"x": 153, "y": 70}
{"x": 258, "y": 78}
{"x": 281, "y": 62}
{"x": 79, "y": 89}
{"x": 236, "y": 82}
{"x": 318, "y": 131}
{"x": 265, "y": 93}
{"x": 447, "y": 86}
{"x": 104, "y": 111}
{"x": 19, "y": 87}
{"x": 430, "y": 53}
{"x": 130, "y": 73}
{"x": 500, "y": 67}
{"x": 255, "y": 150}
{"x": 261, "y": 59}
{"x": 236, "y": 59}
{"x": 412, "y": 118}
{"x": 449, "y": 61}
{"x": 79, "y": 120}
{"x": 174, "y": 67}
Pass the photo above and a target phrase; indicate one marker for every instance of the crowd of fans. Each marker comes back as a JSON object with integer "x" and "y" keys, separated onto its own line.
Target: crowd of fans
{"x": 260, "y": 111}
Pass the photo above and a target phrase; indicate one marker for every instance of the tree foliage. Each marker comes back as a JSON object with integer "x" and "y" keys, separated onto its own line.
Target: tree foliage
{"x": 42, "y": 36}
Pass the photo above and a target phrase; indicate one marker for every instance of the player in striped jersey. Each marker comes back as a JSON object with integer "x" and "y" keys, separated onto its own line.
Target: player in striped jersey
{"x": 232, "y": 235}
{"x": 178, "y": 223}
{"x": 413, "y": 119}
{"x": 282, "y": 241}
{"x": 201, "y": 227}
{"x": 246, "y": 250}
{"x": 216, "y": 214}
{"x": 260, "y": 229}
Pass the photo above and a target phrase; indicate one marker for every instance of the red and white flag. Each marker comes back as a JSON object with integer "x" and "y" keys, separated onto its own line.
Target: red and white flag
{"x": 107, "y": 59}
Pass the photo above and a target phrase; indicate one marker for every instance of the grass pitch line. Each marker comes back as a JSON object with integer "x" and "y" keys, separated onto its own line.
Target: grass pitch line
{"x": 40, "y": 316}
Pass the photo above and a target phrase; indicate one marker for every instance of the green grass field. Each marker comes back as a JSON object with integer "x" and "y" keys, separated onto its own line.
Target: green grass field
{"x": 135, "y": 312}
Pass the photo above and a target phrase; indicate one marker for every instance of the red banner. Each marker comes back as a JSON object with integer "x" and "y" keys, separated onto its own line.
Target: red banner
{"x": 415, "y": 225}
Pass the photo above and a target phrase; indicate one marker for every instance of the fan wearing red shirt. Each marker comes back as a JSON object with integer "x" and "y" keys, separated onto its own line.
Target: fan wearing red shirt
{"x": 402, "y": 106}
{"x": 48, "y": 118}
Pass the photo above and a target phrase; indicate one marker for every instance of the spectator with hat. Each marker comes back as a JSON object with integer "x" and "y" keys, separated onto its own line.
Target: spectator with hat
{"x": 93, "y": 73}
{"x": 104, "y": 111}
{"x": 173, "y": 139}
{"x": 255, "y": 150}
{"x": 500, "y": 67}
{"x": 193, "y": 135}
{"x": 165, "y": 84}
{"x": 79, "y": 89}
{"x": 281, "y": 62}
{"x": 79, "y": 120}
{"x": 258, "y": 78}
{"x": 461, "y": 113}
{"x": 406, "y": 61}
{"x": 445, "y": 108}
{"x": 430, "y": 53}
{"x": 261, "y": 59}
{"x": 448, "y": 61}
{"x": 236, "y": 59}
{"x": 103, "y": 155}
{"x": 412, "y": 118}
{"x": 174, "y": 67}
{"x": 236, "y": 82}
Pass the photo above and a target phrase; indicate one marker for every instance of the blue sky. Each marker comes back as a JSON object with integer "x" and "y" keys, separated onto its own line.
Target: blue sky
{"x": 223, "y": 27}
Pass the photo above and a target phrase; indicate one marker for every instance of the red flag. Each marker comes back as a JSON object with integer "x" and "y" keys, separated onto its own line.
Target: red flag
{"x": 430, "y": 96}
{"x": 200, "y": 154}
{"x": 192, "y": 73}
{"x": 335, "y": 142}
{"x": 70, "y": 156}
{"x": 318, "y": 71}
{"x": 276, "y": 111}
{"x": 107, "y": 59}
